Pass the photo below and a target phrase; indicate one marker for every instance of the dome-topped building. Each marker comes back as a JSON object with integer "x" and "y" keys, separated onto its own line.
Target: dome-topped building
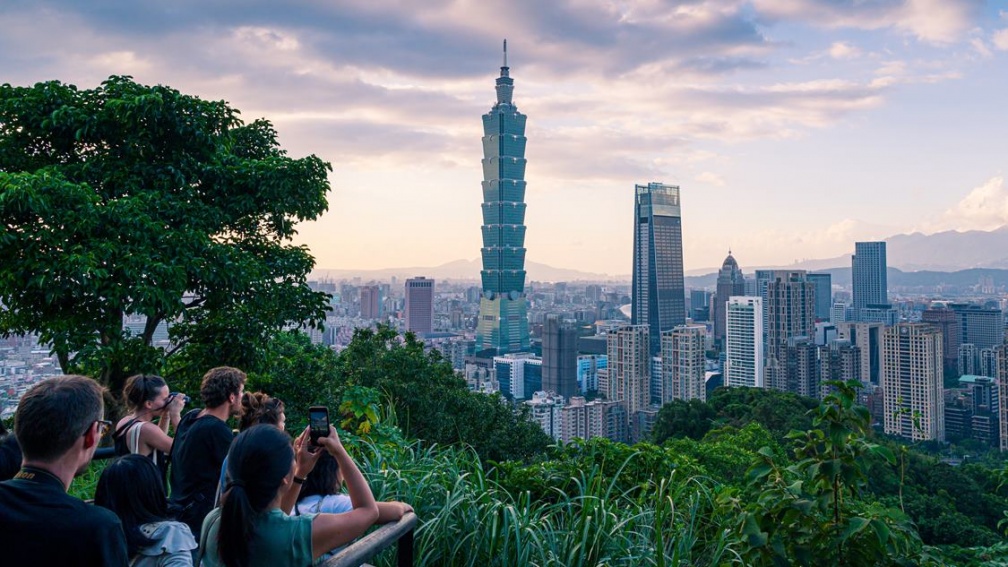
{"x": 730, "y": 282}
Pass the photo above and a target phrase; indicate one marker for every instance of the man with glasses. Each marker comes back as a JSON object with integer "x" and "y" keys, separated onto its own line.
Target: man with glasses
{"x": 58, "y": 424}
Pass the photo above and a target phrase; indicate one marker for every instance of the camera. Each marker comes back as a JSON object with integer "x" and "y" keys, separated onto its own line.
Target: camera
{"x": 173, "y": 395}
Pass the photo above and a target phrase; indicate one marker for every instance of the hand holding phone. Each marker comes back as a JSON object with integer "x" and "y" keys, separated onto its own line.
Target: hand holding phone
{"x": 318, "y": 423}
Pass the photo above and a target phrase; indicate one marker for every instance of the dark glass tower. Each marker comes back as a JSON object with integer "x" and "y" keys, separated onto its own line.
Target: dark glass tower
{"x": 503, "y": 315}
{"x": 659, "y": 293}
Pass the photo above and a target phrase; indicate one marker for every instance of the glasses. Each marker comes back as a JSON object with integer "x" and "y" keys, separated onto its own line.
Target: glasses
{"x": 104, "y": 426}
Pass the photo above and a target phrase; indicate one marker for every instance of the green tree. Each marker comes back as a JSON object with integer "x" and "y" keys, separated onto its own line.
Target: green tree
{"x": 681, "y": 418}
{"x": 132, "y": 200}
{"x": 432, "y": 403}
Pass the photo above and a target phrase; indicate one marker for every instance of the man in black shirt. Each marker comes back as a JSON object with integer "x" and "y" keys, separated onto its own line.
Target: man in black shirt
{"x": 202, "y": 440}
{"x": 58, "y": 425}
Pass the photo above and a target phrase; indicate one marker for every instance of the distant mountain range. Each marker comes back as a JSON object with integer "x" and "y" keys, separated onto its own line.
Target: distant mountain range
{"x": 912, "y": 258}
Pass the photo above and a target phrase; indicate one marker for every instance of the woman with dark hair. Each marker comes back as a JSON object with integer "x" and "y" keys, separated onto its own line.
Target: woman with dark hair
{"x": 147, "y": 398}
{"x": 261, "y": 466}
{"x": 132, "y": 487}
{"x": 321, "y": 493}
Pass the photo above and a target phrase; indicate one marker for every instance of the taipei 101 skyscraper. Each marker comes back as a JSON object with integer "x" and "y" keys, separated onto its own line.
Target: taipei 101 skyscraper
{"x": 503, "y": 315}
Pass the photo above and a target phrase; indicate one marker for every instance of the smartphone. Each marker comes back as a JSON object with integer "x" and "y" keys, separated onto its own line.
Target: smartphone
{"x": 318, "y": 421}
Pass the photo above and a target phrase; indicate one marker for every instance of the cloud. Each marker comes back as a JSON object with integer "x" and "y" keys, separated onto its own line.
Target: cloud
{"x": 710, "y": 178}
{"x": 985, "y": 207}
{"x": 844, "y": 50}
{"x": 1000, "y": 39}
{"x": 933, "y": 21}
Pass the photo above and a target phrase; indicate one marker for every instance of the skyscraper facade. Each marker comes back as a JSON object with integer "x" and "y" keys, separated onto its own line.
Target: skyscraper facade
{"x": 559, "y": 358}
{"x": 658, "y": 292}
{"x": 730, "y": 282}
{"x": 912, "y": 382}
{"x": 868, "y": 274}
{"x": 683, "y": 364}
{"x": 419, "y": 305}
{"x": 823, "y": 294}
{"x": 744, "y": 342}
{"x": 370, "y": 302}
{"x": 503, "y": 314}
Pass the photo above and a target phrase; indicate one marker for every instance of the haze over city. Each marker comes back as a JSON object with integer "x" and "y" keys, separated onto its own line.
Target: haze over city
{"x": 793, "y": 127}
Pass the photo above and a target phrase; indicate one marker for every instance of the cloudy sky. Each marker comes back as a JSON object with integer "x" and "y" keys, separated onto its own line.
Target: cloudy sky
{"x": 794, "y": 127}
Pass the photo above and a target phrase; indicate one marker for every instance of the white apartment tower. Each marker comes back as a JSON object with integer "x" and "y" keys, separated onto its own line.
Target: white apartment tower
{"x": 744, "y": 342}
{"x": 629, "y": 371}
{"x": 912, "y": 381}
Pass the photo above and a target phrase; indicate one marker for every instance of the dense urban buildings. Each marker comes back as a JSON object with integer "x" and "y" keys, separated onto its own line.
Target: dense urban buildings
{"x": 912, "y": 382}
{"x": 659, "y": 292}
{"x": 419, "y": 307}
{"x": 868, "y": 274}
{"x": 503, "y": 313}
{"x": 790, "y": 314}
{"x": 730, "y": 283}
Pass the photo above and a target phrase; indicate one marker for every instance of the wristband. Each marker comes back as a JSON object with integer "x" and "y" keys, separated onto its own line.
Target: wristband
{"x": 299, "y": 480}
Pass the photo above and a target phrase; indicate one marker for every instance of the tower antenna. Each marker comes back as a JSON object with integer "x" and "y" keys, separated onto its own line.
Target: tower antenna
{"x": 505, "y": 53}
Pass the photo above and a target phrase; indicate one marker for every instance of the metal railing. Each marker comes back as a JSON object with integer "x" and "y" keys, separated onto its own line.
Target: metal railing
{"x": 364, "y": 549}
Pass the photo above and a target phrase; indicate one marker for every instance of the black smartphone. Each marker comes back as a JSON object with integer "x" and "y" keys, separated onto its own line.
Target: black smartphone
{"x": 318, "y": 421}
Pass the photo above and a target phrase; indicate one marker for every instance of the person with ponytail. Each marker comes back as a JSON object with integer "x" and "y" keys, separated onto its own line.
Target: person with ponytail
{"x": 147, "y": 399}
{"x": 250, "y": 529}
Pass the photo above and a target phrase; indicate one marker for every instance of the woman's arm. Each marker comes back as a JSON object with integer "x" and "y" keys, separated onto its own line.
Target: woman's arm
{"x": 333, "y": 530}
{"x": 392, "y": 511}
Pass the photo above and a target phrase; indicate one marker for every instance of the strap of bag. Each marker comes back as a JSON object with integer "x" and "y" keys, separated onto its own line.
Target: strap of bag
{"x": 134, "y": 438}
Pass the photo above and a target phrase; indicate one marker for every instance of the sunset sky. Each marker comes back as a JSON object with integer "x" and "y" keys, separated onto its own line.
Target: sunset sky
{"x": 793, "y": 127}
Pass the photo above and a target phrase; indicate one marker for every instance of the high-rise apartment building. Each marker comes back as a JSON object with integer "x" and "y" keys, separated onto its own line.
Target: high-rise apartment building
{"x": 370, "y": 302}
{"x": 658, "y": 293}
{"x": 946, "y": 321}
{"x": 730, "y": 282}
{"x": 546, "y": 409}
{"x": 979, "y": 326}
{"x": 559, "y": 358}
{"x": 744, "y": 342}
{"x": 790, "y": 314}
{"x": 839, "y": 360}
{"x": 503, "y": 314}
{"x": 912, "y": 381}
{"x": 801, "y": 363}
{"x": 868, "y": 274}
{"x": 867, "y": 337}
{"x": 629, "y": 367}
{"x": 419, "y": 306}
{"x": 683, "y": 364}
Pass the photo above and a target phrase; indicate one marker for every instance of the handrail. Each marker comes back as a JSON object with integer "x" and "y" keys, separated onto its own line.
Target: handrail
{"x": 399, "y": 533}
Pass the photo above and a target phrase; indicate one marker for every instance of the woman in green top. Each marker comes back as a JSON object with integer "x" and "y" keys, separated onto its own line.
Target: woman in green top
{"x": 251, "y": 530}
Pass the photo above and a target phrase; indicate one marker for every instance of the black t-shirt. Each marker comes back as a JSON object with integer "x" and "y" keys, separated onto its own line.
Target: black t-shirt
{"x": 43, "y": 525}
{"x": 198, "y": 451}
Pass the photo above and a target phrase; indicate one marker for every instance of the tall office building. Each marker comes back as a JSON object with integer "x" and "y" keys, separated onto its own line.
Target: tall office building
{"x": 823, "y": 295}
{"x": 744, "y": 342}
{"x": 912, "y": 381}
{"x": 503, "y": 312}
{"x": 419, "y": 305}
{"x": 683, "y": 364}
{"x": 801, "y": 362}
{"x": 658, "y": 292}
{"x": 790, "y": 314}
{"x": 839, "y": 360}
{"x": 946, "y": 321}
{"x": 868, "y": 274}
{"x": 730, "y": 282}
{"x": 559, "y": 358}
{"x": 370, "y": 302}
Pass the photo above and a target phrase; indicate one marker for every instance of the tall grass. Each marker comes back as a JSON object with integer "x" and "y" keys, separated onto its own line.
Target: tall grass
{"x": 469, "y": 519}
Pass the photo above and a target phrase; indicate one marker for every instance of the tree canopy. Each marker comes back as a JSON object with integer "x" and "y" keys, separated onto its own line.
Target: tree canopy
{"x": 129, "y": 200}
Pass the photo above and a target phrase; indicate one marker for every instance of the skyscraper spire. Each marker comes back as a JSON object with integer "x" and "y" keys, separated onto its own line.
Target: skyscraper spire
{"x": 505, "y": 54}
{"x": 505, "y": 84}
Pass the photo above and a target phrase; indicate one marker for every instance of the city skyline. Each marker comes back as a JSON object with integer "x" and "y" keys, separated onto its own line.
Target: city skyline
{"x": 793, "y": 128}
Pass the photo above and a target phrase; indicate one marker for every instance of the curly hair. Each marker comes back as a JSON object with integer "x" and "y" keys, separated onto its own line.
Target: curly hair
{"x": 219, "y": 383}
{"x": 257, "y": 407}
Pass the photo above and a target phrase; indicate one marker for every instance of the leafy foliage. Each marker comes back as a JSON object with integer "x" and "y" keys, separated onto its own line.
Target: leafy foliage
{"x": 131, "y": 200}
{"x": 681, "y": 418}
